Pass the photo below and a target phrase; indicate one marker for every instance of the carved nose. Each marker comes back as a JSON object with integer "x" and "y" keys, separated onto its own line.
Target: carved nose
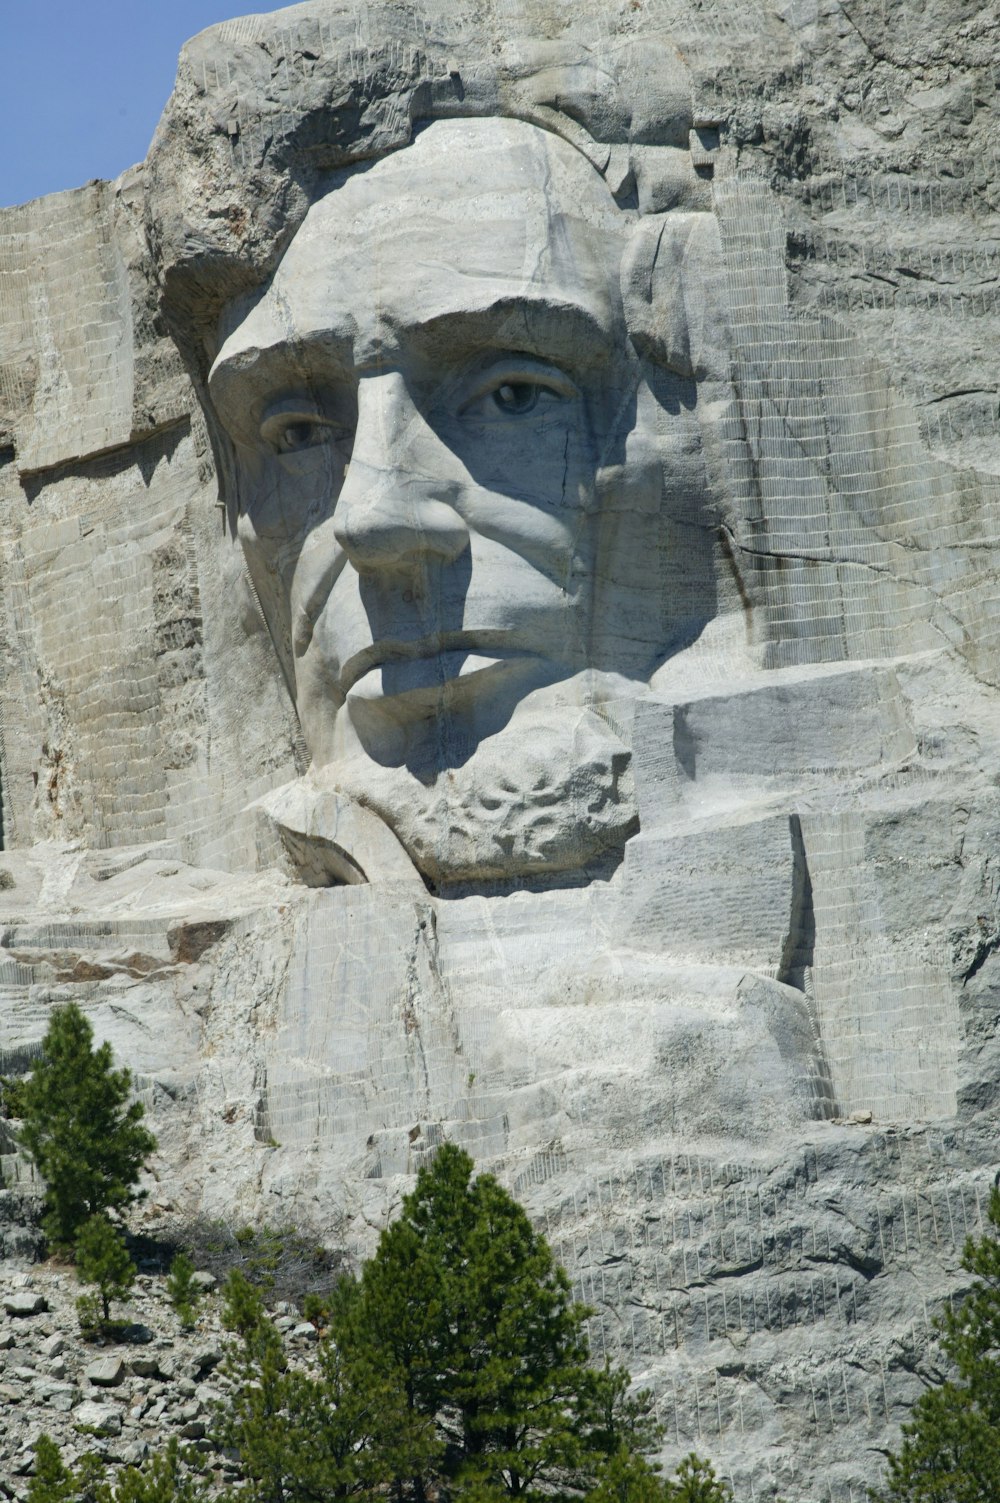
{"x": 390, "y": 514}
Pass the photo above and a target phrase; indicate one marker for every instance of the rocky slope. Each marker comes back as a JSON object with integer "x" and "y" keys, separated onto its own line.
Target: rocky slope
{"x": 119, "y": 1399}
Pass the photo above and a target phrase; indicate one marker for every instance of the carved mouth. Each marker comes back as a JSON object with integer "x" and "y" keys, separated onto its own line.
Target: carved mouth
{"x": 431, "y": 674}
{"x": 425, "y": 663}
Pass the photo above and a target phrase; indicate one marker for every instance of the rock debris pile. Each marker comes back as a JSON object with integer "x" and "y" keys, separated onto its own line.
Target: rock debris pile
{"x": 121, "y": 1399}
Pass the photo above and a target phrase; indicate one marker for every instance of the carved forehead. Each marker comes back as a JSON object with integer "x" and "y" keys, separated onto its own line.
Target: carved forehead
{"x": 454, "y": 164}
{"x": 474, "y": 215}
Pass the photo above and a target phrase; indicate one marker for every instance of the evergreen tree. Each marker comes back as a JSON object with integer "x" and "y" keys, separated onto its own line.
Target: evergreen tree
{"x": 696, "y": 1482}
{"x": 618, "y": 1419}
{"x": 162, "y": 1480}
{"x": 465, "y": 1306}
{"x": 182, "y": 1291}
{"x": 250, "y": 1425}
{"x": 455, "y": 1368}
{"x": 55, "y": 1482}
{"x": 102, "y": 1259}
{"x": 951, "y": 1446}
{"x": 52, "y": 1481}
{"x": 80, "y": 1128}
{"x": 345, "y": 1432}
{"x": 627, "y": 1477}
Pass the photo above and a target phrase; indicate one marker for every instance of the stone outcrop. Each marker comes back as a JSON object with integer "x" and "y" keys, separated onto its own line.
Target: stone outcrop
{"x": 498, "y": 624}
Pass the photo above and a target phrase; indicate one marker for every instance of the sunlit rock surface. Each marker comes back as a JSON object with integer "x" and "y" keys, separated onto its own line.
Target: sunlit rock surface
{"x": 499, "y": 602}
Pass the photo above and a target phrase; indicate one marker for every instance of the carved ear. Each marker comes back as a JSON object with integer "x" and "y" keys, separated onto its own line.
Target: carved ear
{"x": 675, "y": 295}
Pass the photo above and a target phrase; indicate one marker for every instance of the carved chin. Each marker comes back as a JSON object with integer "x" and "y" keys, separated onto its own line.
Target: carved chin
{"x": 552, "y": 793}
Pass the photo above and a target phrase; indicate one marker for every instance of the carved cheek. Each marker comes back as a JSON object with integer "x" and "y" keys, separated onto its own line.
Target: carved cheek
{"x": 312, "y": 575}
{"x": 291, "y": 494}
{"x": 546, "y": 538}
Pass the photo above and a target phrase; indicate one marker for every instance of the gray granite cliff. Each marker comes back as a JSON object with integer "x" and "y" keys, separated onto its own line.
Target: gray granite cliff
{"x": 499, "y": 625}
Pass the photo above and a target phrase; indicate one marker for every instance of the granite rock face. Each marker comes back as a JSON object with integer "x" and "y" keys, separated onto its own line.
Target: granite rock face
{"x": 500, "y": 588}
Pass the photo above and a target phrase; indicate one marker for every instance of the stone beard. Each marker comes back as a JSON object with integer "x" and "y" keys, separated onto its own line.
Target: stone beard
{"x": 477, "y": 522}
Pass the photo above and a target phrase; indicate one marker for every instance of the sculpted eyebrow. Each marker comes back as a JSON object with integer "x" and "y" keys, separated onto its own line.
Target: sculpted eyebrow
{"x": 565, "y": 332}
{"x": 302, "y": 353}
{"x": 243, "y": 381}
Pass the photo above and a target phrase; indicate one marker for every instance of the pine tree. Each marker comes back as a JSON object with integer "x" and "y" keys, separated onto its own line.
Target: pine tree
{"x": 102, "y": 1259}
{"x": 455, "y": 1368}
{"x": 343, "y": 1432}
{"x": 250, "y": 1425}
{"x": 81, "y": 1130}
{"x": 162, "y": 1480}
{"x": 627, "y": 1477}
{"x": 53, "y": 1480}
{"x": 951, "y": 1446}
{"x": 464, "y": 1304}
{"x": 620, "y": 1420}
{"x": 182, "y": 1291}
{"x": 696, "y": 1482}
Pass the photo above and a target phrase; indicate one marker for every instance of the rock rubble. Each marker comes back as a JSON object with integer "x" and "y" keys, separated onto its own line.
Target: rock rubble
{"x": 121, "y": 1399}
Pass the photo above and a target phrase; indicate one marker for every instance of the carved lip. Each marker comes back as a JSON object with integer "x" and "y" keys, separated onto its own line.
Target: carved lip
{"x": 425, "y": 683}
{"x": 443, "y": 654}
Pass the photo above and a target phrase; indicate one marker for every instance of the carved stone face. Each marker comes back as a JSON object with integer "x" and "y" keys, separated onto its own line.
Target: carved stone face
{"x": 471, "y": 517}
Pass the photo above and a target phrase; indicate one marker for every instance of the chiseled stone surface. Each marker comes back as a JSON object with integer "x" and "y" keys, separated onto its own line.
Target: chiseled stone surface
{"x": 499, "y": 636}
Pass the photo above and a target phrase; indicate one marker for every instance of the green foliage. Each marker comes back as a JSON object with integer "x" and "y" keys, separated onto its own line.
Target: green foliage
{"x": 465, "y": 1308}
{"x": 80, "y": 1128}
{"x": 455, "y": 1367}
{"x": 182, "y": 1291}
{"x": 88, "y": 1478}
{"x": 102, "y": 1259}
{"x": 12, "y": 1096}
{"x": 164, "y": 1480}
{"x": 251, "y": 1426}
{"x": 53, "y": 1481}
{"x": 951, "y": 1446}
{"x": 627, "y": 1477}
{"x": 88, "y": 1313}
{"x": 317, "y": 1307}
{"x": 334, "y": 1435}
{"x": 696, "y": 1482}
{"x": 620, "y": 1421}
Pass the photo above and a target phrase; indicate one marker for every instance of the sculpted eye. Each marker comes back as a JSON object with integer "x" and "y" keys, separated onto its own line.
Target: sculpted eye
{"x": 300, "y": 435}
{"x": 518, "y": 386}
{"x": 287, "y": 433}
{"x": 517, "y": 397}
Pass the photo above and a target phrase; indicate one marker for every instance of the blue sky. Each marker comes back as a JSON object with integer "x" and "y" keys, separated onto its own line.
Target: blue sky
{"x": 84, "y": 82}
